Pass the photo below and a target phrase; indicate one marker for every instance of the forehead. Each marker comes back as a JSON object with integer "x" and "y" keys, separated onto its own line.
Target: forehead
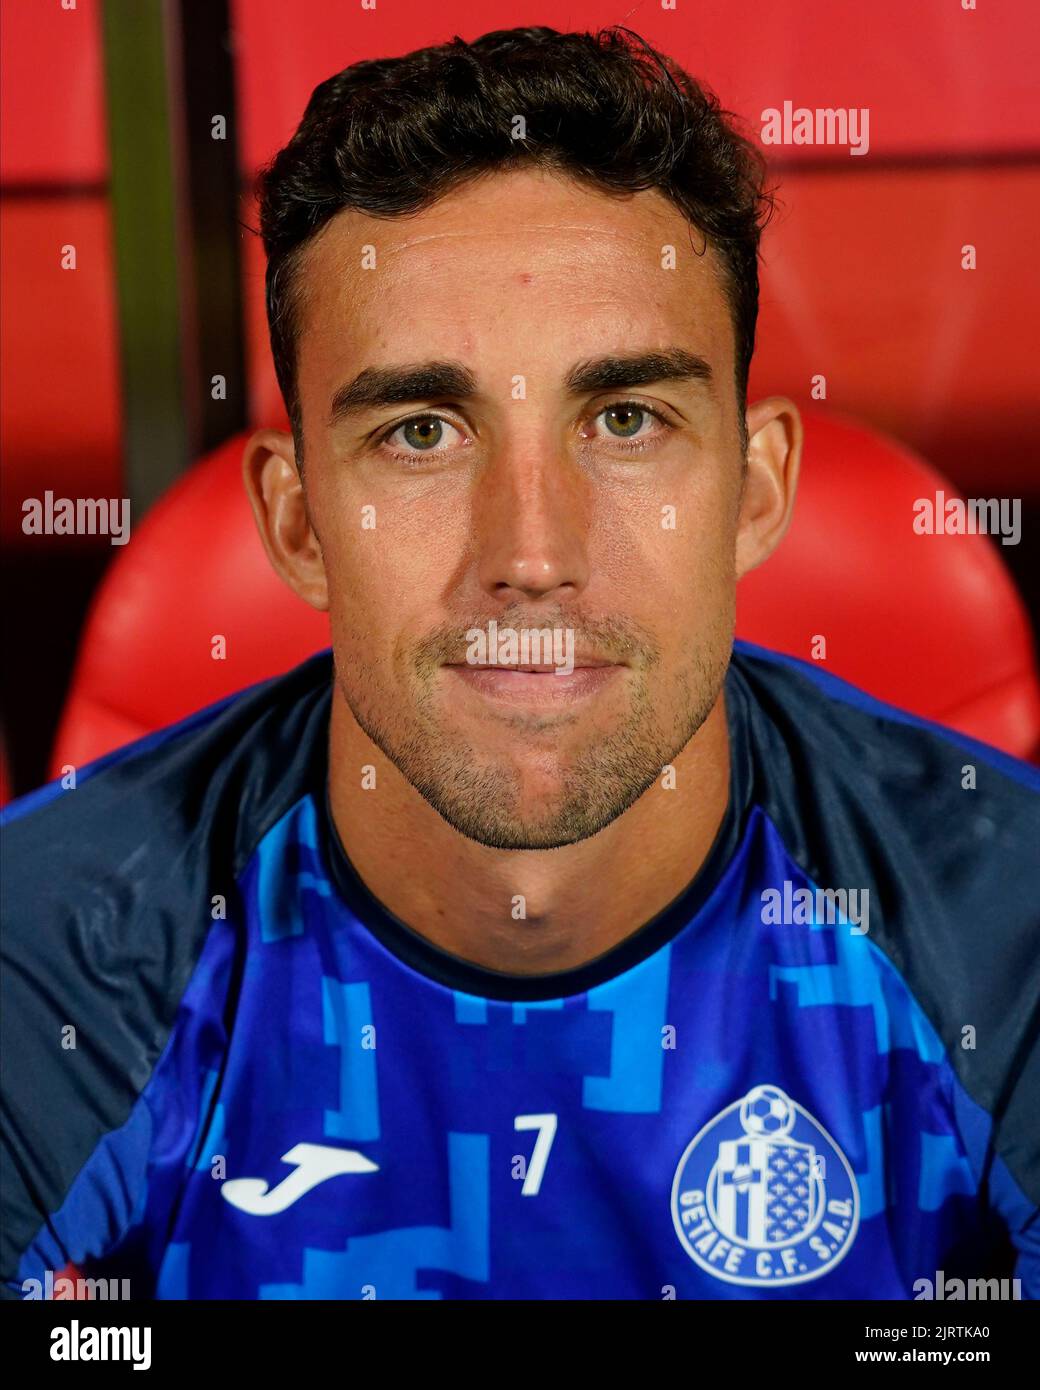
{"x": 499, "y": 262}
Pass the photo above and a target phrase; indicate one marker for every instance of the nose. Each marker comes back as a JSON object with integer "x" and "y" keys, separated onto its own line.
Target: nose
{"x": 530, "y": 521}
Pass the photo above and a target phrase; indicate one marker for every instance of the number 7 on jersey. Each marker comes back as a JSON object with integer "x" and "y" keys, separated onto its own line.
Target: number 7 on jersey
{"x": 546, "y": 1127}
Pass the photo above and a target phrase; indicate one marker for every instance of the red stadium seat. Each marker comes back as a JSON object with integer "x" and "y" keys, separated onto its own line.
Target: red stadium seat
{"x": 5, "y": 777}
{"x": 930, "y": 623}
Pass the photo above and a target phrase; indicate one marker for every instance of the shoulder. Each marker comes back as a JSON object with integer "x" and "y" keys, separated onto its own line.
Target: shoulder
{"x": 831, "y": 759}
{"x": 225, "y": 773}
{"x": 941, "y": 828}
{"x": 106, "y": 906}
{"x": 943, "y": 832}
{"x": 145, "y": 836}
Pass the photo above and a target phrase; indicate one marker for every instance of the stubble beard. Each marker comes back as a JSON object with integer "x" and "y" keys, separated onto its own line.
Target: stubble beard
{"x": 480, "y": 797}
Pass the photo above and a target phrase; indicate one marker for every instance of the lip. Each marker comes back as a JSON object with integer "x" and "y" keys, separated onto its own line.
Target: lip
{"x": 537, "y": 685}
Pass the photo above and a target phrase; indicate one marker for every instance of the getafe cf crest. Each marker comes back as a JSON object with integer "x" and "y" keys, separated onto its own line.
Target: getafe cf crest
{"x": 763, "y": 1194}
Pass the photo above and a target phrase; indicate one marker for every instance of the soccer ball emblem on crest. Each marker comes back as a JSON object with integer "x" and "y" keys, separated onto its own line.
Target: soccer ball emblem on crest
{"x": 766, "y": 1111}
{"x": 763, "y": 1195}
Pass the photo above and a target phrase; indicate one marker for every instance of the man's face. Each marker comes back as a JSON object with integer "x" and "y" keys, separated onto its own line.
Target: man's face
{"x": 524, "y": 496}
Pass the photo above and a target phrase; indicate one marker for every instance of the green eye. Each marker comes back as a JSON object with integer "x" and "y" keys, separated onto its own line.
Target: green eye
{"x": 628, "y": 418}
{"x": 424, "y": 433}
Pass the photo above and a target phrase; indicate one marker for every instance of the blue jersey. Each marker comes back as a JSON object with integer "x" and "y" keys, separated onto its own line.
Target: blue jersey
{"x": 231, "y": 1073}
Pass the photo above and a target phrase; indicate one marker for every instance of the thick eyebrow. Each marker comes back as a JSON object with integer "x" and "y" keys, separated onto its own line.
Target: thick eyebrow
{"x": 376, "y": 387}
{"x": 637, "y": 369}
{"x": 381, "y": 386}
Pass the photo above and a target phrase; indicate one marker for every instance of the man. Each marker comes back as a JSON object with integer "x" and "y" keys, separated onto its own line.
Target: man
{"x": 534, "y": 943}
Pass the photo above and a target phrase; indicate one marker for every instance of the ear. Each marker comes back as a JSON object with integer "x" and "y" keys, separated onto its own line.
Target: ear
{"x": 275, "y": 492}
{"x": 773, "y": 459}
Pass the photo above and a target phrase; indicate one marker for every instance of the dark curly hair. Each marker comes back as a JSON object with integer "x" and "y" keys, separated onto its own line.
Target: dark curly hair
{"x": 392, "y": 135}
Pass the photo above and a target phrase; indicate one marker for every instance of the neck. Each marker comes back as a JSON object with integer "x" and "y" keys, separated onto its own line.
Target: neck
{"x": 579, "y": 901}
